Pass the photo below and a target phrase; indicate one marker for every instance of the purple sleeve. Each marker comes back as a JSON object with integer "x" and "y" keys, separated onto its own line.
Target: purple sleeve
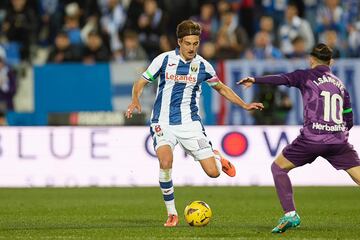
{"x": 348, "y": 114}
{"x": 290, "y": 79}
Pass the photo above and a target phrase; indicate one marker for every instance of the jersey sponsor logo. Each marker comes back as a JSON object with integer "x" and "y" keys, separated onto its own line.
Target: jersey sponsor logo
{"x": 180, "y": 78}
{"x": 325, "y": 127}
{"x": 171, "y": 64}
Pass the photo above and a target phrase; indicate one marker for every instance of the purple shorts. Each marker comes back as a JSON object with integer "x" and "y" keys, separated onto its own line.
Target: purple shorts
{"x": 340, "y": 156}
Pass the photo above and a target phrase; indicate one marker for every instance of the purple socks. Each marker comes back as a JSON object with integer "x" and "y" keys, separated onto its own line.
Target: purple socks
{"x": 283, "y": 187}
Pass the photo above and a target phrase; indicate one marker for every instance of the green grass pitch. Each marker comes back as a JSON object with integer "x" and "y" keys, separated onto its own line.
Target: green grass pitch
{"x": 138, "y": 213}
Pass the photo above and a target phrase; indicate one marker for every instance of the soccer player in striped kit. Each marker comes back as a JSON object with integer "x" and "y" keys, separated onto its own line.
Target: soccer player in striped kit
{"x": 175, "y": 116}
{"x": 328, "y": 118}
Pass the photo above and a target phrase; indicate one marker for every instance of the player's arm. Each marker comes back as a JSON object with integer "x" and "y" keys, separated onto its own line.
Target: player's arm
{"x": 230, "y": 95}
{"x": 137, "y": 90}
{"x": 289, "y": 79}
{"x": 149, "y": 76}
{"x": 347, "y": 111}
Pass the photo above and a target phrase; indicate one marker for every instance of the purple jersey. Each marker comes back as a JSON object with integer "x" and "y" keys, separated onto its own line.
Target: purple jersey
{"x": 327, "y": 106}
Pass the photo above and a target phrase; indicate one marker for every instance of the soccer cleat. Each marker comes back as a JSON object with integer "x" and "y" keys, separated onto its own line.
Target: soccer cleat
{"x": 172, "y": 221}
{"x": 287, "y": 222}
{"x": 227, "y": 166}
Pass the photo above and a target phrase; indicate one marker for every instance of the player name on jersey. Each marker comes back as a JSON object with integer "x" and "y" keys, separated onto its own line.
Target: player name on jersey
{"x": 328, "y": 79}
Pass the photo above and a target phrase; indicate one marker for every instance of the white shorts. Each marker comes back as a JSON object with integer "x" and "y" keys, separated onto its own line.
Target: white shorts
{"x": 191, "y": 137}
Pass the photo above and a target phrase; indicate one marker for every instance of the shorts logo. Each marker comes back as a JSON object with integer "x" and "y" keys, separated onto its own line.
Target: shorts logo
{"x": 203, "y": 143}
{"x": 158, "y": 130}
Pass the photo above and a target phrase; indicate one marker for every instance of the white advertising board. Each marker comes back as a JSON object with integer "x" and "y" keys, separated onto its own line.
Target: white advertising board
{"x": 124, "y": 156}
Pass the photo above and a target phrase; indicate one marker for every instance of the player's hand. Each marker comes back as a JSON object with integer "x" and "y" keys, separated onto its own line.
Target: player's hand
{"x": 254, "y": 106}
{"x": 247, "y": 82}
{"x": 131, "y": 108}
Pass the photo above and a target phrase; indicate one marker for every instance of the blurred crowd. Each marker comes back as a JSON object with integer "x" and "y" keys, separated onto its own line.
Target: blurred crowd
{"x": 92, "y": 31}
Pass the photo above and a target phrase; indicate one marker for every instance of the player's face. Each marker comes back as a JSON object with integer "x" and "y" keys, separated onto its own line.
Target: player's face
{"x": 189, "y": 46}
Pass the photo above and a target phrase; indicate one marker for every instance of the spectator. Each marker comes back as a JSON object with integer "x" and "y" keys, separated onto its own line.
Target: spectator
{"x": 132, "y": 48}
{"x": 223, "y": 6}
{"x": 294, "y": 26}
{"x": 232, "y": 39}
{"x": 311, "y": 7}
{"x": 351, "y": 10}
{"x": 208, "y": 51}
{"x": 276, "y": 9}
{"x": 63, "y": 51}
{"x": 20, "y": 26}
{"x": 208, "y": 22}
{"x": 354, "y": 40}
{"x": 331, "y": 39}
{"x": 72, "y": 23}
{"x": 267, "y": 25}
{"x": 151, "y": 24}
{"x": 112, "y": 22}
{"x": 166, "y": 43}
{"x": 95, "y": 50}
{"x": 51, "y": 19}
{"x": 299, "y": 49}
{"x": 7, "y": 84}
{"x": 3, "y": 6}
{"x": 247, "y": 12}
{"x": 133, "y": 13}
{"x": 179, "y": 10}
{"x": 263, "y": 48}
{"x": 331, "y": 17}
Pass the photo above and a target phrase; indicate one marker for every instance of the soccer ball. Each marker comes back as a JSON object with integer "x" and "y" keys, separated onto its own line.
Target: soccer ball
{"x": 197, "y": 213}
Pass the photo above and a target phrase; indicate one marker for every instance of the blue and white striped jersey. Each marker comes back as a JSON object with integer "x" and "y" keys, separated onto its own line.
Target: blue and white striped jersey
{"x": 179, "y": 87}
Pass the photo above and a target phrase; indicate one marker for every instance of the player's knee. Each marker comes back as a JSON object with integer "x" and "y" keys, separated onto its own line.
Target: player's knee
{"x": 276, "y": 170}
{"x": 357, "y": 181}
{"x": 165, "y": 163}
{"x": 213, "y": 173}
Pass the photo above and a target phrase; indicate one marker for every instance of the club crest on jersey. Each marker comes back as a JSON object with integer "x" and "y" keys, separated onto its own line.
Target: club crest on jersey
{"x": 194, "y": 68}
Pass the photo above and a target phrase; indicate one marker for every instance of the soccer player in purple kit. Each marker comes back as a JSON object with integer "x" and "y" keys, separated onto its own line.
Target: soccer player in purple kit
{"x": 327, "y": 119}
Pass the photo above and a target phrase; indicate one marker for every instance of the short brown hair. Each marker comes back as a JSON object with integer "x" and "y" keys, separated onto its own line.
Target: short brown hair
{"x": 188, "y": 27}
{"x": 322, "y": 52}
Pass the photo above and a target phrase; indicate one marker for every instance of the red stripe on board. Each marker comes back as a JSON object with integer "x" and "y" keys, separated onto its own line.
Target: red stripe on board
{"x": 222, "y": 111}
{"x": 74, "y": 119}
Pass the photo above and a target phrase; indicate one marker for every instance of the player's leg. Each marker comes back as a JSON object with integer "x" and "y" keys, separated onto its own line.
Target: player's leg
{"x": 354, "y": 173}
{"x": 164, "y": 142}
{"x": 226, "y": 166}
{"x": 165, "y": 156}
{"x": 214, "y": 165}
{"x": 210, "y": 167}
{"x": 194, "y": 141}
{"x": 280, "y": 168}
{"x": 344, "y": 157}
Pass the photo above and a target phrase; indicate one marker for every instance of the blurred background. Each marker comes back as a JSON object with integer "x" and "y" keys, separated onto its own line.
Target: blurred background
{"x": 72, "y": 63}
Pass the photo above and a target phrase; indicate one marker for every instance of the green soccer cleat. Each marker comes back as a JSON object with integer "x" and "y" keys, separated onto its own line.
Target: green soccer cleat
{"x": 286, "y": 223}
